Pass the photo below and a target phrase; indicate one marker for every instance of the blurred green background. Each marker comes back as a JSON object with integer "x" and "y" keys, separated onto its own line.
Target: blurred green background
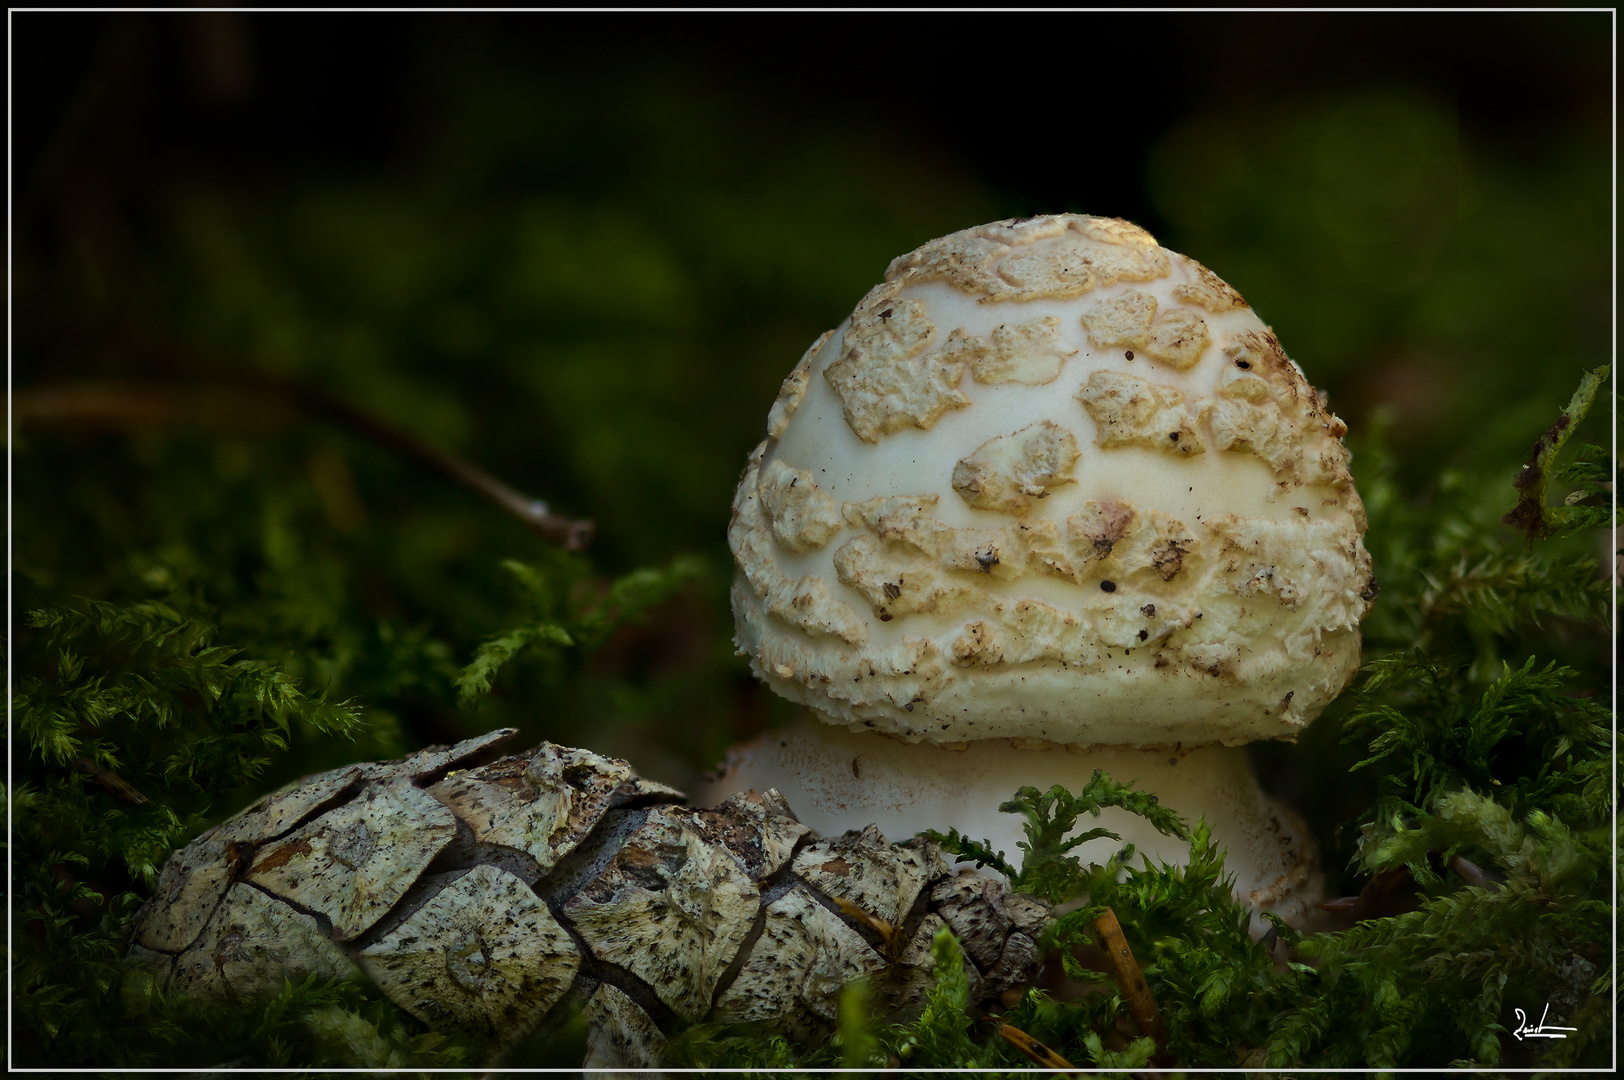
{"x": 582, "y": 251}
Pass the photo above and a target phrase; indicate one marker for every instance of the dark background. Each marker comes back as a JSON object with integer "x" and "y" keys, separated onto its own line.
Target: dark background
{"x": 239, "y": 93}
{"x": 583, "y": 250}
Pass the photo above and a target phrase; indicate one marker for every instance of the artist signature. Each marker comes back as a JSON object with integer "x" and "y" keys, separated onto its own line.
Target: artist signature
{"x": 1539, "y": 1030}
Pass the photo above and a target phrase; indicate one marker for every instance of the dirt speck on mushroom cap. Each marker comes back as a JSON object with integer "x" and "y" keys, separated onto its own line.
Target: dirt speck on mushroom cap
{"x": 958, "y": 593}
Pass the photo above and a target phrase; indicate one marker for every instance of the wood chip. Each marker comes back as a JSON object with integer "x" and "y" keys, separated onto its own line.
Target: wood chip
{"x": 484, "y": 955}
{"x": 671, "y": 909}
{"x": 434, "y": 758}
{"x": 971, "y": 905}
{"x": 861, "y": 868}
{"x": 354, "y": 863}
{"x": 254, "y": 943}
{"x": 430, "y": 759}
{"x": 804, "y": 956}
{"x": 619, "y": 1034}
{"x": 544, "y": 804}
{"x": 189, "y": 889}
{"x": 757, "y": 829}
{"x": 913, "y": 974}
{"x": 285, "y": 809}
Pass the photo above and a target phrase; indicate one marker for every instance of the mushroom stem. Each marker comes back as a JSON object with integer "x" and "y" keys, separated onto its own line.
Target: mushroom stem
{"x": 839, "y": 779}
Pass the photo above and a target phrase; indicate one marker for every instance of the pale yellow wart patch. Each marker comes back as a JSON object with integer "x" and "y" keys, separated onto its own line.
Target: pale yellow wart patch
{"x": 1158, "y": 549}
{"x": 1177, "y": 338}
{"x": 1003, "y": 553}
{"x": 1262, "y": 405}
{"x": 1019, "y": 632}
{"x": 1131, "y": 322}
{"x": 885, "y": 378}
{"x": 1030, "y": 352}
{"x": 805, "y": 602}
{"x": 1008, "y": 472}
{"x": 1130, "y": 411}
{"x": 794, "y": 388}
{"x": 1122, "y": 321}
{"x": 803, "y": 515}
{"x": 1054, "y": 257}
{"x": 898, "y": 581}
{"x": 1310, "y": 564}
{"x": 1208, "y": 290}
{"x": 1096, "y": 530}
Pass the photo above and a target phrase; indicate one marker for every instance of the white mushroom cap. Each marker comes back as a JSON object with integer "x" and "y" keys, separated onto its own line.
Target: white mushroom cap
{"x": 1054, "y": 483}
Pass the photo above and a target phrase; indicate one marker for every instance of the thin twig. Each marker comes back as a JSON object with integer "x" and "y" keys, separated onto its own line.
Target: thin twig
{"x": 1130, "y": 977}
{"x": 1041, "y": 1055}
{"x": 573, "y": 534}
{"x": 115, "y": 785}
{"x": 139, "y": 405}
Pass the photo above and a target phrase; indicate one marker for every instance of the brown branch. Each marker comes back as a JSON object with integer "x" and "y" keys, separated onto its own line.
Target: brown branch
{"x": 141, "y": 405}
{"x": 1130, "y": 978}
{"x": 136, "y": 406}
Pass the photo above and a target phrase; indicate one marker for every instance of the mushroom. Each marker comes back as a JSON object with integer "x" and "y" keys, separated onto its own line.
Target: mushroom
{"x": 1052, "y": 499}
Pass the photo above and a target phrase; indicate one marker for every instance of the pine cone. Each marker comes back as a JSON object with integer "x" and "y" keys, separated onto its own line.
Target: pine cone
{"x": 488, "y": 899}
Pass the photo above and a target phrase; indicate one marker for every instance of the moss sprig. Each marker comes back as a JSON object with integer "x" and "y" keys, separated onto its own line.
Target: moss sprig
{"x": 567, "y": 616}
